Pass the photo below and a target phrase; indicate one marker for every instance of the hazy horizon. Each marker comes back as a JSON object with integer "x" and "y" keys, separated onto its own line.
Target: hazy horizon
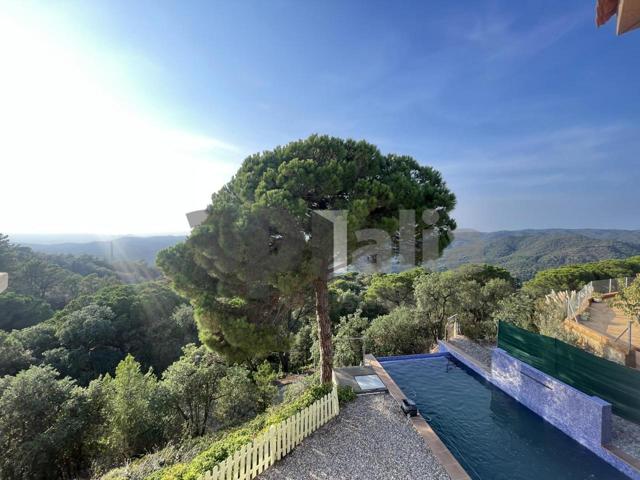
{"x": 114, "y": 121}
{"x": 44, "y": 238}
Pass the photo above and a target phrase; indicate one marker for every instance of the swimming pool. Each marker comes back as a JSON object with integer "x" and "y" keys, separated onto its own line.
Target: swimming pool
{"x": 492, "y": 435}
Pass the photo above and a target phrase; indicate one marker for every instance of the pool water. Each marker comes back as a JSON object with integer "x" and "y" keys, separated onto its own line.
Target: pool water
{"x": 492, "y": 435}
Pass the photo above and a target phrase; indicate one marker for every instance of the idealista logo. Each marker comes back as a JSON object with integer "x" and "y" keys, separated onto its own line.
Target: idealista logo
{"x": 367, "y": 250}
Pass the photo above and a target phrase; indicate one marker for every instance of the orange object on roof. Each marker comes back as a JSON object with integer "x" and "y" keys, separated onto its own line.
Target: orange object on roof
{"x": 605, "y": 9}
{"x": 628, "y": 12}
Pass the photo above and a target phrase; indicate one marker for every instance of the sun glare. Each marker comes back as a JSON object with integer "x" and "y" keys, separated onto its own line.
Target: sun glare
{"x": 59, "y": 121}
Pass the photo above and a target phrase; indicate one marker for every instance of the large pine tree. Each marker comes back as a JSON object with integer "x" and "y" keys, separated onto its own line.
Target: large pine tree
{"x": 257, "y": 253}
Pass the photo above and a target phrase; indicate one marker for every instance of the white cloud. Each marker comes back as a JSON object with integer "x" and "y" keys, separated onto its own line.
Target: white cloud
{"x": 75, "y": 156}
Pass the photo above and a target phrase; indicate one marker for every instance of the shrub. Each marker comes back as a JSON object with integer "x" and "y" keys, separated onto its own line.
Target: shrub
{"x": 43, "y": 423}
{"x": 300, "y": 353}
{"x": 347, "y": 349}
{"x": 346, "y": 394}
{"x": 133, "y": 411}
{"x": 265, "y": 378}
{"x": 231, "y": 440}
{"x": 398, "y": 333}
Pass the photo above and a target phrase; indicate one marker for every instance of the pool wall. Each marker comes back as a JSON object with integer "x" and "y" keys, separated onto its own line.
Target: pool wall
{"x": 584, "y": 418}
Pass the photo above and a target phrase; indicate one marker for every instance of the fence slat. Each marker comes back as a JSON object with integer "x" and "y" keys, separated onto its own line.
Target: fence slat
{"x": 254, "y": 457}
{"x": 214, "y": 473}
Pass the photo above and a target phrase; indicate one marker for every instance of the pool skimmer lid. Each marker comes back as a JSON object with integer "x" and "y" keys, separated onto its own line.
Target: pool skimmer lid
{"x": 368, "y": 383}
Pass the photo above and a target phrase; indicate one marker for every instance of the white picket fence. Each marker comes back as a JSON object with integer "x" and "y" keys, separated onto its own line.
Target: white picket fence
{"x": 255, "y": 457}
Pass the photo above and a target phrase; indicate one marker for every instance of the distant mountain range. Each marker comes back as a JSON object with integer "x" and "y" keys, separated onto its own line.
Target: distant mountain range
{"x": 119, "y": 249}
{"x": 522, "y": 252}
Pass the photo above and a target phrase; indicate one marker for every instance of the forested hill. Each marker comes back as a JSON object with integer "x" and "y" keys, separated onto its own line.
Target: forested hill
{"x": 524, "y": 252}
{"x": 130, "y": 249}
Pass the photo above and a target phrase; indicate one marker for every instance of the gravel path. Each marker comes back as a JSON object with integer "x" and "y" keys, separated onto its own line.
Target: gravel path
{"x": 370, "y": 440}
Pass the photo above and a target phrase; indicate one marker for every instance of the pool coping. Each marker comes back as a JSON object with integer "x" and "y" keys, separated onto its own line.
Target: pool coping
{"x": 430, "y": 437}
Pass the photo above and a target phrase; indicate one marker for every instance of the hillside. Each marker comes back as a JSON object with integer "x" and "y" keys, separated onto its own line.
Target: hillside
{"x": 522, "y": 252}
{"x": 129, "y": 249}
{"x": 525, "y": 252}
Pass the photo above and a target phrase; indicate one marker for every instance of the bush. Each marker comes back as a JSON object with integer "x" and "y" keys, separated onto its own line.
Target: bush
{"x": 133, "y": 410}
{"x": 346, "y": 394}
{"x": 347, "y": 349}
{"x": 238, "y": 397}
{"x": 398, "y": 333}
{"x": 300, "y": 353}
{"x": 231, "y": 440}
{"x": 43, "y": 425}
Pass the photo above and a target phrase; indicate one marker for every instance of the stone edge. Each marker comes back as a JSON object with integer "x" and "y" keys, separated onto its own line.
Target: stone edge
{"x": 437, "y": 447}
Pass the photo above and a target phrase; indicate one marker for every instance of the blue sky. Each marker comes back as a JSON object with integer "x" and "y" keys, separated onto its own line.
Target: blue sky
{"x": 143, "y": 109}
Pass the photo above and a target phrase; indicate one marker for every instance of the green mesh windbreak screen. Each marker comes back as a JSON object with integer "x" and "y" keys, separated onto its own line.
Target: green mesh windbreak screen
{"x": 592, "y": 375}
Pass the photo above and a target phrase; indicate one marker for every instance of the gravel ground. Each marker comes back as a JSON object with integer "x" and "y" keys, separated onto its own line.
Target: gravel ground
{"x": 369, "y": 440}
{"x": 626, "y": 436}
{"x": 481, "y": 353}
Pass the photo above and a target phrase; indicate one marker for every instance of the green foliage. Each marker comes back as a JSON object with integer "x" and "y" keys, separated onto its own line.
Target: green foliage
{"x": 37, "y": 339}
{"x": 346, "y": 394}
{"x": 89, "y": 327}
{"x": 539, "y": 315}
{"x": 54, "y": 279}
{"x": 192, "y": 386}
{"x": 526, "y": 252}
{"x": 478, "y": 304}
{"x": 394, "y": 289}
{"x": 520, "y": 309}
{"x": 95, "y": 332}
{"x": 437, "y": 298}
{"x": 628, "y": 299}
{"x": 400, "y": 332}
{"x": 472, "y": 292}
{"x": 13, "y": 356}
{"x": 21, "y": 311}
{"x": 300, "y": 353}
{"x": 260, "y": 252}
{"x": 347, "y": 342}
{"x": 234, "y": 439}
{"x": 238, "y": 397}
{"x": 43, "y": 423}
{"x": 264, "y": 378}
{"x": 132, "y": 411}
{"x": 574, "y": 277}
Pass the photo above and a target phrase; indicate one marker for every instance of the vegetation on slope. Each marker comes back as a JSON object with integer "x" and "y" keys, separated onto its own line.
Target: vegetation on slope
{"x": 110, "y": 375}
{"x": 526, "y": 252}
{"x": 574, "y": 277}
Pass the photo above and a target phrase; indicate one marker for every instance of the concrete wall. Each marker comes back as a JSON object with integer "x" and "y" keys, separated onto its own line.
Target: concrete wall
{"x": 584, "y": 418}
{"x": 601, "y": 345}
{"x": 469, "y": 362}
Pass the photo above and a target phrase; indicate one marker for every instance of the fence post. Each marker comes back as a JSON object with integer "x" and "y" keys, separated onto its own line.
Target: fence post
{"x": 610, "y": 282}
{"x": 630, "y": 324}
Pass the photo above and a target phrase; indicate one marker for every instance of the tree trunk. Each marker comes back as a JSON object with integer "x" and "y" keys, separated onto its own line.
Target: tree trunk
{"x": 324, "y": 329}
{"x": 284, "y": 361}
